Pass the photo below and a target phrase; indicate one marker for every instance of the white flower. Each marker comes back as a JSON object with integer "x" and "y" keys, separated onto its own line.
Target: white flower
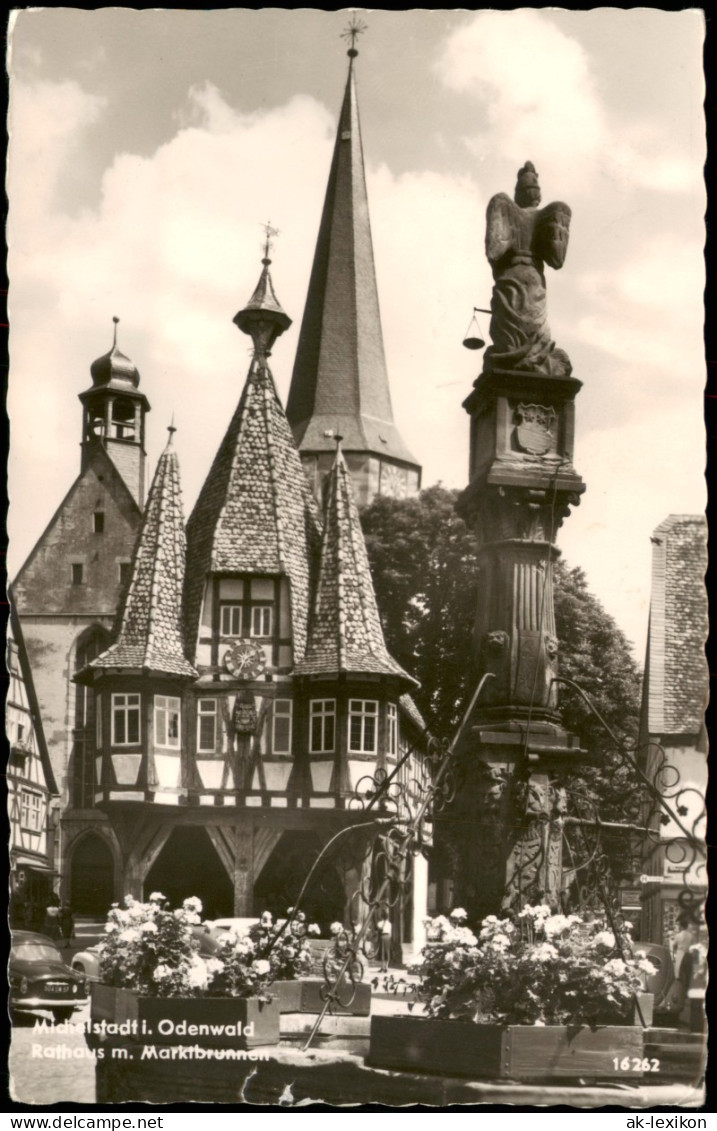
{"x": 197, "y": 975}
{"x": 267, "y": 919}
{"x": 109, "y": 927}
{"x": 162, "y": 972}
{"x": 605, "y": 938}
{"x": 555, "y": 925}
{"x": 157, "y": 897}
{"x": 148, "y": 928}
{"x": 260, "y": 966}
{"x": 128, "y": 900}
{"x": 501, "y": 941}
{"x": 313, "y": 929}
{"x": 543, "y": 953}
{"x": 214, "y": 965}
{"x": 615, "y": 966}
{"x": 459, "y": 913}
{"x": 336, "y": 928}
{"x": 539, "y": 1024}
{"x": 193, "y": 905}
{"x": 130, "y": 935}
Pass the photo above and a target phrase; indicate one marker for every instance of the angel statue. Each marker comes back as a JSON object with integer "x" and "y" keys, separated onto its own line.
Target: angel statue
{"x": 519, "y": 239}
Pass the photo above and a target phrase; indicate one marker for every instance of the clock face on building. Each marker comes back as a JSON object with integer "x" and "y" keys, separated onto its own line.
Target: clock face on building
{"x": 245, "y": 659}
{"x": 393, "y": 481}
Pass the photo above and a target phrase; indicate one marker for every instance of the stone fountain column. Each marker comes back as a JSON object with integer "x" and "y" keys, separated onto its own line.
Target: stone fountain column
{"x": 505, "y": 826}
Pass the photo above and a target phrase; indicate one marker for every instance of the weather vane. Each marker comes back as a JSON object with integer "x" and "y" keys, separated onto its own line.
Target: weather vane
{"x": 268, "y": 233}
{"x": 355, "y": 28}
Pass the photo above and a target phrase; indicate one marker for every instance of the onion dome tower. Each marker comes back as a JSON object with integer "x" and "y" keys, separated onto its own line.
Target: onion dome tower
{"x": 114, "y": 413}
{"x": 340, "y": 383}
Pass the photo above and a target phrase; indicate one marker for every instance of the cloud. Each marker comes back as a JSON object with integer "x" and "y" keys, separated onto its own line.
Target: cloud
{"x": 539, "y": 100}
{"x": 546, "y": 112}
{"x": 174, "y": 249}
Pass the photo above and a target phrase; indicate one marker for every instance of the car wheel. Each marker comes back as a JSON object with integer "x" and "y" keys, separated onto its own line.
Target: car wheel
{"x": 63, "y": 1014}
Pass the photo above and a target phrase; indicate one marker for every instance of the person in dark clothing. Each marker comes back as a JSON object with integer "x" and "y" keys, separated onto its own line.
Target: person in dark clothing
{"x": 67, "y": 922}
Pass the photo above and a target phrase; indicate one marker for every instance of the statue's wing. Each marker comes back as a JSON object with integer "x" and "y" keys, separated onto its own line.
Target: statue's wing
{"x": 499, "y": 227}
{"x": 552, "y": 233}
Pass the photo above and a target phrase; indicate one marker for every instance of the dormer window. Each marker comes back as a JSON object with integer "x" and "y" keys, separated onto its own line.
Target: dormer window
{"x": 231, "y": 620}
{"x": 246, "y": 608}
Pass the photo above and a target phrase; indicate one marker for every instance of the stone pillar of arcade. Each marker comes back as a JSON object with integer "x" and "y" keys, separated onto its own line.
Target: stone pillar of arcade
{"x": 505, "y": 827}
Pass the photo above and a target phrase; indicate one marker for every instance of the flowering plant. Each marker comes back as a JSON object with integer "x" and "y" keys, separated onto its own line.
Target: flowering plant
{"x": 287, "y": 948}
{"x": 154, "y": 951}
{"x": 539, "y": 968}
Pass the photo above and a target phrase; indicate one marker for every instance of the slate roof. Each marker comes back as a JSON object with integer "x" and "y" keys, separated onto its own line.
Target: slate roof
{"x": 150, "y": 630}
{"x": 339, "y": 382}
{"x": 345, "y": 633}
{"x": 677, "y": 674}
{"x": 255, "y": 512}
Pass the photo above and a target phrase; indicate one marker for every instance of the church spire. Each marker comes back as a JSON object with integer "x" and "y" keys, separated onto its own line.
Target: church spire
{"x": 340, "y": 380}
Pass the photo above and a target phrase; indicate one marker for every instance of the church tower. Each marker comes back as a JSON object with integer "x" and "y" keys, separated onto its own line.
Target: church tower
{"x": 67, "y": 592}
{"x": 114, "y": 415}
{"x": 340, "y": 384}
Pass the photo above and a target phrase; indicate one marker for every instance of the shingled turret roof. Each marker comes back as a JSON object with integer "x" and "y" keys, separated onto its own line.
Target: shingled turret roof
{"x": 339, "y": 380}
{"x": 345, "y": 633}
{"x": 150, "y": 629}
{"x": 255, "y": 512}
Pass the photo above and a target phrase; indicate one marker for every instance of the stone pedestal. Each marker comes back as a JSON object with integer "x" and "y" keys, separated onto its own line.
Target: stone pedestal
{"x": 508, "y": 810}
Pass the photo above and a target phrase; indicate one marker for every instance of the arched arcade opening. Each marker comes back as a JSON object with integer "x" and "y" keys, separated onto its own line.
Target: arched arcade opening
{"x": 189, "y": 865}
{"x": 284, "y": 873}
{"x": 92, "y": 887}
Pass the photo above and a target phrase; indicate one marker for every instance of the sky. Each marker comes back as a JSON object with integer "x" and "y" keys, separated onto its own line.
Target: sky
{"x": 148, "y": 148}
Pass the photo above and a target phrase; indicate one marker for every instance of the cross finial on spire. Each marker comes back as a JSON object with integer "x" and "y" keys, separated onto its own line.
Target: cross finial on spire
{"x": 268, "y": 233}
{"x": 171, "y": 429}
{"x": 115, "y": 319}
{"x": 352, "y": 32}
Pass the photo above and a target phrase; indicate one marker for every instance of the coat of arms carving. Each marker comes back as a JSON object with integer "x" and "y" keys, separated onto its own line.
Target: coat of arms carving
{"x": 536, "y": 428}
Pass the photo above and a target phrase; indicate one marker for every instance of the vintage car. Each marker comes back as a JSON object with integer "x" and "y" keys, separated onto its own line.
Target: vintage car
{"x": 39, "y": 979}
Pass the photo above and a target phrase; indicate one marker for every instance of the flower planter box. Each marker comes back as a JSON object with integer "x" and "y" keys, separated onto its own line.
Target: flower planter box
{"x": 236, "y": 1023}
{"x": 516, "y": 1052}
{"x": 303, "y": 995}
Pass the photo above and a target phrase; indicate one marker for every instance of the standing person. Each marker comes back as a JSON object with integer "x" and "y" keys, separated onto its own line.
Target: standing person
{"x": 383, "y": 926}
{"x": 51, "y": 925}
{"x": 681, "y": 944}
{"x": 67, "y": 922}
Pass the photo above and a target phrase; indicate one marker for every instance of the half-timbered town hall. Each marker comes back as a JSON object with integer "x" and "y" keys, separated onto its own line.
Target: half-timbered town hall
{"x": 214, "y": 694}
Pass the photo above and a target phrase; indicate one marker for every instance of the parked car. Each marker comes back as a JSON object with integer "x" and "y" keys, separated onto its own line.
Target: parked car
{"x": 39, "y": 979}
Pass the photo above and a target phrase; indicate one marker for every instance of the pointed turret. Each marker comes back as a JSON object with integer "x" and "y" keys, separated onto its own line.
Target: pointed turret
{"x": 149, "y": 637}
{"x": 255, "y": 514}
{"x": 345, "y": 633}
{"x": 339, "y": 382}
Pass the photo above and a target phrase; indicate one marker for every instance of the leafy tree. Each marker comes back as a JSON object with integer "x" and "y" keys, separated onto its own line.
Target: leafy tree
{"x": 425, "y": 570}
{"x": 423, "y": 561}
